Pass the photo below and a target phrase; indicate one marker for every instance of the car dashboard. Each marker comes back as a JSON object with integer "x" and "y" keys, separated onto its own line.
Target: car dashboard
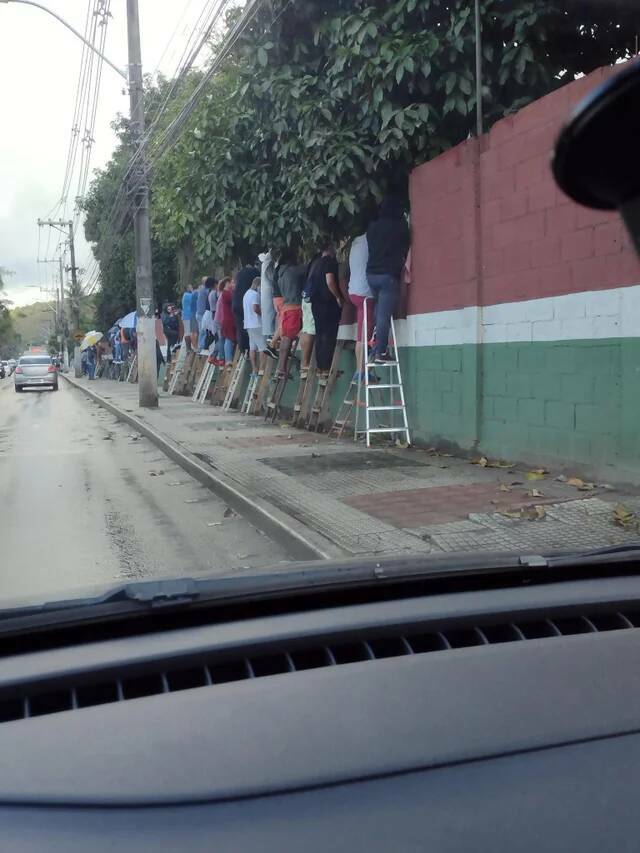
{"x": 497, "y": 719}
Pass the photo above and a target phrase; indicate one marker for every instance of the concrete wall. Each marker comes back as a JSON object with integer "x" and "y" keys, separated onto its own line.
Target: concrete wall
{"x": 522, "y": 338}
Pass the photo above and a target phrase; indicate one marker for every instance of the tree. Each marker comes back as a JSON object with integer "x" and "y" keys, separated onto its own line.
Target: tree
{"x": 10, "y": 342}
{"x": 321, "y": 108}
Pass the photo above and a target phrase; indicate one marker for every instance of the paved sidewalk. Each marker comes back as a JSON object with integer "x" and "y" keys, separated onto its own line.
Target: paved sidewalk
{"x": 384, "y": 501}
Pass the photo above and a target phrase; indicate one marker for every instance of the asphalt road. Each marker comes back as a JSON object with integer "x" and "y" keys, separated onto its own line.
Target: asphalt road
{"x": 84, "y": 500}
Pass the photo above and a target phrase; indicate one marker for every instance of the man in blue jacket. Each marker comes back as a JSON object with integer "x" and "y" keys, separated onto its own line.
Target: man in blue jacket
{"x": 186, "y": 314}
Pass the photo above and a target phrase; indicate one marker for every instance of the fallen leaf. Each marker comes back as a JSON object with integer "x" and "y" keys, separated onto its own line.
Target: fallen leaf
{"x": 229, "y": 513}
{"x": 482, "y": 462}
{"x": 528, "y": 513}
{"x": 504, "y": 487}
{"x": 517, "y": 483}
{"x": 512, "y": 513}
{"x": 575, "y": 481}
{"x": 606, "y": 486}
{"x": 214, "y": 523}
{"x": 535, "y": 493}
{"x": 315, "y": 456}
{"x": 443, "y": 466}
{"x": 624, "y": 517}
{"x": 501, "y": 464}
{"x": 561, "y": 478}
{"x": 535, "y": 475}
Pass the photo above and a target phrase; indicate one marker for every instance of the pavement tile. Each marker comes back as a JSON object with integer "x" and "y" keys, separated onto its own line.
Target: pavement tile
{"x": 380, "y": 501}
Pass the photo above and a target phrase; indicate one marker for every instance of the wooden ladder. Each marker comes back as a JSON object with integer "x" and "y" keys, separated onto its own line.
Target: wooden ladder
{"x": 234, "y": 382}
{"x": 325, "y": 384}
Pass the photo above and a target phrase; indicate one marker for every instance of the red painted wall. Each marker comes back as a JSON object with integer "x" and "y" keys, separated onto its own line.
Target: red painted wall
{"x": 534, "y": 241}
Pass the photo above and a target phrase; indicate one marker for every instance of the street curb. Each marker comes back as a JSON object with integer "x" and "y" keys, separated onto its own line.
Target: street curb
{"x": 302, "y": 542}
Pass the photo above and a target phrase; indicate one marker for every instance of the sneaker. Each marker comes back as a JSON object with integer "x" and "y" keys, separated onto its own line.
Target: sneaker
{"x": 271, "y": 352}
{"x": 384, "y": 358}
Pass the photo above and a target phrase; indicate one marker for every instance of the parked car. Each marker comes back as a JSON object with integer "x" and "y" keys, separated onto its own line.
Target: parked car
{"x": 35, "y": 371}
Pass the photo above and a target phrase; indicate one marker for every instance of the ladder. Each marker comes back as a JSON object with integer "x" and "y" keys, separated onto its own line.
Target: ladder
{"x": 264, "y": 380}
{"x": 322, "y": 400}
{"x": 391, "y": 382}
{"x": 279, "y": 383}
{"x": 178, "y": 367}
{"x": 345, "y": 411}
{"x": 201, "y": 381}
{"x": 208, "y": 377}
{"x": 234, "y": 382}
{"x": 304, "y": 396}
{"x": 132, "y": 375}
{"x": 250, "y": 393}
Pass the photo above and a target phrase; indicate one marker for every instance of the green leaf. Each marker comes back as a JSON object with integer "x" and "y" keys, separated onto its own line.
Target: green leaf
{"x": 450, "y": 82}
{"x": 262, "y": 56}
{"x": 465, "y": 85}
{"x": 399, "y": 73}
{"x": 386, "y": 113}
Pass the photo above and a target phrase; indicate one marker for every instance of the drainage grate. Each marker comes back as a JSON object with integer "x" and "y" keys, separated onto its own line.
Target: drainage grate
{"x": 162, "y": 677}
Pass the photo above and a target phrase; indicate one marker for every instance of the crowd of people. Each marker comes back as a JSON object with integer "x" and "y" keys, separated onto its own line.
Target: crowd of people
{"x": 278, "y": 298}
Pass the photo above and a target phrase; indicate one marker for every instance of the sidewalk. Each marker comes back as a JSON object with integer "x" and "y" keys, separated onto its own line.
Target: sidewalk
{"x": 382, "y": 501}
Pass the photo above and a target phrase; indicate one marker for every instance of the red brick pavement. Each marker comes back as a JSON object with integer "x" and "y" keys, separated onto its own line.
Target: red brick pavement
{"x": 440, "y": 504}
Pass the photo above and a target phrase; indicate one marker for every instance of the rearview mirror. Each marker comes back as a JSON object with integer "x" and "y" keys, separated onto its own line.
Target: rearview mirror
{"x": 597, "y": 154}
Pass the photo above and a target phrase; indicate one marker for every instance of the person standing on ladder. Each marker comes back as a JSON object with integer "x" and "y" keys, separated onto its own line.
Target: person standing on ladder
{"x": 253, "y": 326}
{"x": 291, "y": 279}
{"x": 326, "y": 303}
{"x": 388, "y": 243}
{"x": 186, "y": 315}
{"x": 243, "y": 281}
{"x": 361, "y": 297}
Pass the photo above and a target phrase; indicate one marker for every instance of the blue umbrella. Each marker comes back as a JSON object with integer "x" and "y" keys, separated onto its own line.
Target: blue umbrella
{"x": 130, "y": 321}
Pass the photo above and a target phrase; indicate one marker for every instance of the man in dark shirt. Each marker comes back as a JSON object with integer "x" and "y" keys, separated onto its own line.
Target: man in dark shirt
{"x": 388, "y": 243}
{"x": 243, "y": 280}
{"x": 326, "y": 303}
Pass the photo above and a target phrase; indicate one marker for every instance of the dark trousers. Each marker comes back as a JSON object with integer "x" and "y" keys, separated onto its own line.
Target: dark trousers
{"x": 241, "y": 333}
{"x": 326, "y": 315}
{"x": 386, "y": 289}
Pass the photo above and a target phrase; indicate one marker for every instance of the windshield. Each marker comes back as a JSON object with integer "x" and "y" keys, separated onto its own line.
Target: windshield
{"x": 320, "y": 296}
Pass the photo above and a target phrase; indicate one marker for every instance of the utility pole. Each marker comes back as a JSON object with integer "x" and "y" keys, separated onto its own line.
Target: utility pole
{"x": 67, "y": 225}
{"x": 139, "y": 193}
{"x": 63, "y": 348}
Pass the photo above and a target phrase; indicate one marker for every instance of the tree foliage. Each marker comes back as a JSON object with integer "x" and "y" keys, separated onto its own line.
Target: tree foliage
{"x": 326, "y": 104}
{"x": 10, "y": 341}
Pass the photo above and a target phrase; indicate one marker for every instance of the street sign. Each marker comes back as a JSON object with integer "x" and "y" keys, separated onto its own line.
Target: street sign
{"x": 145, "y": 305}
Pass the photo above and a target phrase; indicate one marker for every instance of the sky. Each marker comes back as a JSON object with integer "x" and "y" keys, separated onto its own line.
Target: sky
{"x": 39, "y": 66}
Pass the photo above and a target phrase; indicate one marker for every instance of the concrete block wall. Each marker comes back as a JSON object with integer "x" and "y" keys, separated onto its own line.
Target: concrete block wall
{"x": 535, "y": 299}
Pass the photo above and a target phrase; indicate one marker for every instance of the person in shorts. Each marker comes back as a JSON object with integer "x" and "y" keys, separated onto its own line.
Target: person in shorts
{"x": 253, "y": 325}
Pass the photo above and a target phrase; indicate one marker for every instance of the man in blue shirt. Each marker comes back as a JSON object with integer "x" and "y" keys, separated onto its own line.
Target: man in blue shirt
{"x": 186, "y": 314}
{"x": 194, "y": 317}
{"x": 202, "y": 303}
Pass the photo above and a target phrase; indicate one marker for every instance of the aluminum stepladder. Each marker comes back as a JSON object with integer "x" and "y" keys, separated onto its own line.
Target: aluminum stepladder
{"x": 279, "y": 383}
{"x": 392, "y": 383}
{"x": 234, "y": 382}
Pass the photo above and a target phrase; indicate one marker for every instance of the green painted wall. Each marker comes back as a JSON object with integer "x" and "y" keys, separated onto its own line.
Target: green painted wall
{"x": 570, "y": 401}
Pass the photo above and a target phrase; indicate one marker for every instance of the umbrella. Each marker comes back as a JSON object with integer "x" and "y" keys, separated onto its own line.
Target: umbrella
{"x": 90, "y": 339}
{"x": 130, "y": 321}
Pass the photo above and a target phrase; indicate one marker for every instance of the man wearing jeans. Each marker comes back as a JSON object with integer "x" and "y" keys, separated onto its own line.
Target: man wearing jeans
{"x": 388, "y": 243}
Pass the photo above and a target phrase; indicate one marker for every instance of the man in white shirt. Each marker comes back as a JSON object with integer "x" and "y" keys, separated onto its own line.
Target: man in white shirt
{"x": 253, "y": 325}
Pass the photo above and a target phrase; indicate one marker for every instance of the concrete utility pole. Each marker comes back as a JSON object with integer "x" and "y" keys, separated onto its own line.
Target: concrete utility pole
{"x": 139, "y": 193}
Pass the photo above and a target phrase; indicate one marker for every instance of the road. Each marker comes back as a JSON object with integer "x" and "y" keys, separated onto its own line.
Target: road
{"x": 84, "y": 500}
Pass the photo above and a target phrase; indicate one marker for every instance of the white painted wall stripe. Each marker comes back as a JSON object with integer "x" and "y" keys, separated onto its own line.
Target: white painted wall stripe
{"x": 588, "y": 315}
